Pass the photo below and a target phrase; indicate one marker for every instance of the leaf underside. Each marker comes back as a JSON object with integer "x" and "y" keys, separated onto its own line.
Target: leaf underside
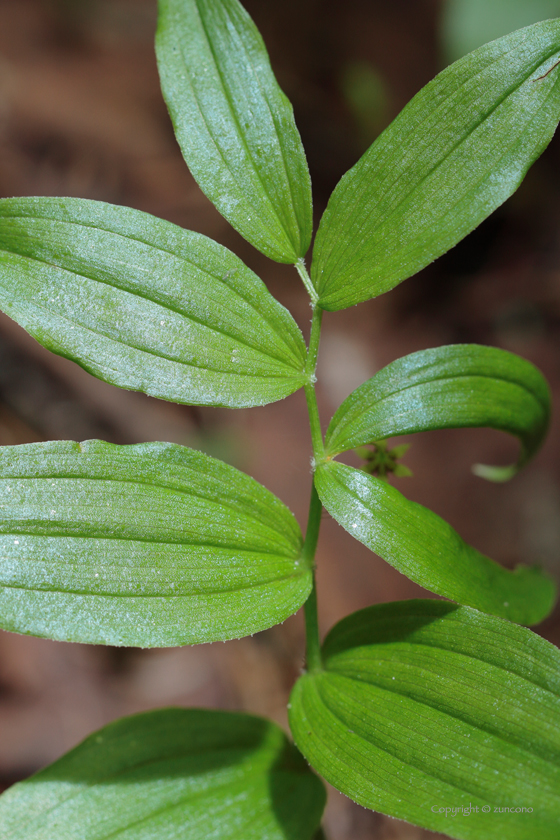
{"x": 148, "y": 545}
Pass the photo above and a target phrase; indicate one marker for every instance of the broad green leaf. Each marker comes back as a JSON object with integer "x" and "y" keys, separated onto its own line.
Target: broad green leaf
{"x": 438, "y": 715}
{"x": 144, "y": 304}
{"x": 169, "y": 774}
{"x": 468, "y": 24}
{"x": 447, "y": 388}
{"x": 427, "y": 550}
{"x": 457, "y": 151}
{"x": 148, "y": 545}
{"x": 234, "y": 125}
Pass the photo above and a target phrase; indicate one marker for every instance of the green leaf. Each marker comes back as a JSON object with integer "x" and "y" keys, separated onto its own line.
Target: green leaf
{"x": 148, "y": 545}
{"x": 145, "y": 305}
{"x": 424, "y": 706}
{"x": 457, "y": 151}
{"x": 427, "y": 550}
{"x": 234, "y": 125}
{"x": 171, "y": 773}
{"x": 447, "y": 388}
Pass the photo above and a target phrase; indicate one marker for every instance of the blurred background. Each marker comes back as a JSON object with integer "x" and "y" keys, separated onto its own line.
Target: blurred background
{"x": 81, "y": 115}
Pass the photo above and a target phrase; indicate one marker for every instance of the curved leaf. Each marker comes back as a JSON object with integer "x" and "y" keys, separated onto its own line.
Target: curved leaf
{"x": 234, "y": 125}
{"x": 427, "y": 550}
{"x": 447, "y": 388}
{"x": 456, "y": 152}
{"x": 439, "y": 715}
{"x": 148, "y": 545}
{"x": 167, "y": 774}
{"x": 145, "y": 305}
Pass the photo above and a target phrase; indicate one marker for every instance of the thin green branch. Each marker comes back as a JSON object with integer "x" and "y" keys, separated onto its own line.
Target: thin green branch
{"x": 313, "y": 659}
{"x": 313, "y": 525}
{"x": 310, "y": 395}
{"x": 313, "y": 644}
{"x": 314, "y": 339}
{"x": 302, "y": 271}
{"x": 315, "y": 424}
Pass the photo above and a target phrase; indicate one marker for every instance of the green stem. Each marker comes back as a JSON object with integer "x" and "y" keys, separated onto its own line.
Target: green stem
{"x": 313, "y": 525}
{"x": 310, "y": 396}
{"x": 314, "y": 338}
{"x": 313, "y": 644}
{"x": 302, "y": 271}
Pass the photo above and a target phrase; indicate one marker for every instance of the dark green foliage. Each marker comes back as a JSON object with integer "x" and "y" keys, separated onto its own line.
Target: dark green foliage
{"x": 424, "y": 705}
{"x": 409, "y": 708}
{"x": 171, "y": 773}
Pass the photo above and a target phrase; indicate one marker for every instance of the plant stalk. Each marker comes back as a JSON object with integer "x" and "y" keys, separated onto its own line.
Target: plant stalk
{"x": 313, "y": 644}
{"x": 302, "y": 271}
{"x": 310, "y": 396}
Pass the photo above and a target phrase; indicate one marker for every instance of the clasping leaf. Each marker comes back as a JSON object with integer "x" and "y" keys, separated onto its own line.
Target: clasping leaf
{"x": 439, "y": 715}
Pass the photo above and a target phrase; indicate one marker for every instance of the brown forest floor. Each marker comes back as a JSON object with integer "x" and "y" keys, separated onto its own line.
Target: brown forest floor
{"x": 81, "y": 115}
